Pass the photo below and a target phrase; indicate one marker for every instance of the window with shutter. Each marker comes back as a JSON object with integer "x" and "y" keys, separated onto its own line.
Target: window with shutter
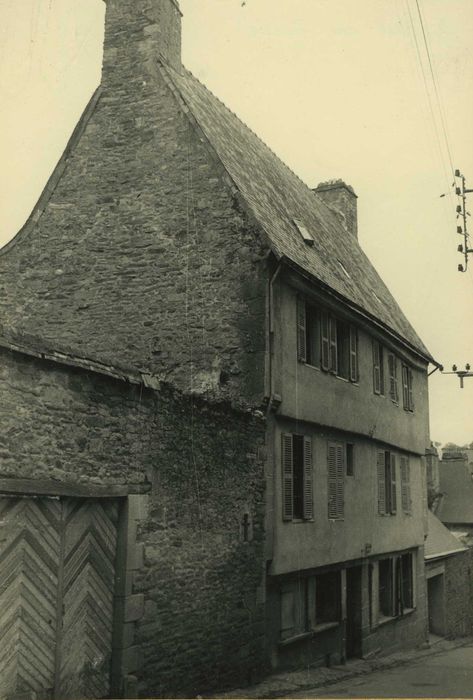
{"x": 287, "y": 485}
{"x": 405, "y": 485}
{"x": 353, "y": 354}
{"x": 301, "y": 330}
{"x": 378, "y": 374}
{"x": 410, "y": 397}
{"x": 407, "y": 393}
{"x": 297, "y": 477}
{"x": 381, "y": 469}
{"x": 325, "y": 340}
{"x": 308, "y": 479}
{"x": 333, "y": 363}
{"x": 332, "y": 480}
{"x": 396, "y": 585}
{"x": 392, "y": 367}
{"x": 393, "y": 503}
{"x": 336, "y": 480}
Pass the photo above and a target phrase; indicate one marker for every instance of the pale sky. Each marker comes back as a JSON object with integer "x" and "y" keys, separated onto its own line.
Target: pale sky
{"x": 336, "y": 89}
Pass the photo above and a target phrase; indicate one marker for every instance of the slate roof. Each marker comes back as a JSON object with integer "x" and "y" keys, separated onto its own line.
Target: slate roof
{"x": 456, "y": 487}
{"x": 440, "y": 541}
{"x": 277, "y": 196}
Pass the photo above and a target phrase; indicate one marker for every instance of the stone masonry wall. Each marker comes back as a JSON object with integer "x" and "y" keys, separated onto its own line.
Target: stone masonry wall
{"x": 142, "y": 257}
{"x": 459, "y": 594}
{"x": 194, "y": 613}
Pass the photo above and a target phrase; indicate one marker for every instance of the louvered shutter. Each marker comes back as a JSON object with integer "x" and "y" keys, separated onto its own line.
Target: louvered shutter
{"x": 287, "y": 477}
{"x": 353, "y": 354}
{"x": 410, "y": 398}
{"x": 308, "y": 479}
{"x": 393, "y": 484}
{"x": 405, "y": 485}
{"x": 301, "y": 330}
{"x": 405, "y": 387}
{"x": 392, "y": 367}
{"x": 340, "y": 481}
{"x": 381, "y": 483}
{"x": 324, "y": 340}
{"x": 376, "y": 368}
{"x": 332, "y": 480}
{"x": 333, "y": 345}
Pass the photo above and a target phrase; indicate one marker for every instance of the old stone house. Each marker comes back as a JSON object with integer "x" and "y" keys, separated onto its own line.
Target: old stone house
{"x": 214, "y": 413}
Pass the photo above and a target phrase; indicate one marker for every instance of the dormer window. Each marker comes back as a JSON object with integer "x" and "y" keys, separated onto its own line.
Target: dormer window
{"x": 308, "y": 239}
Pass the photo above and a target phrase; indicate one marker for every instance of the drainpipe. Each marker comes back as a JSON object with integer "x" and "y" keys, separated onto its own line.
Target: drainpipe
{"x": 273, "y": 279}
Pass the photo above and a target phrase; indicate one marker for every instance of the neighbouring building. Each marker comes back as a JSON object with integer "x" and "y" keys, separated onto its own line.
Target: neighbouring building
{"x": 214, "y": 414}
{"x": 455, "y": 501}
{"x": 448, "y": 566}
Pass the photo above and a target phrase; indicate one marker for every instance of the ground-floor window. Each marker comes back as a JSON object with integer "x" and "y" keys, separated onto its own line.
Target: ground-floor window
{"x": 309, "y": 602}
{"x": 395, "y": 585}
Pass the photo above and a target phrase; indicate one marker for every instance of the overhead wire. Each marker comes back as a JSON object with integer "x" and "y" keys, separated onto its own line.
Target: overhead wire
{"x": 448, "y": 178}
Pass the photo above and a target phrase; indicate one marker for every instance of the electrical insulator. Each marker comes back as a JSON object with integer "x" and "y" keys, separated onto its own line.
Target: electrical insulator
{"x": 454, "y": 368}
{"x": 457, "y": 173}
{"x": 460, "y": 268}
{"x": 467, "y": 367}
{"x": 460, "y": 248}
{"x": 458, "y": 190}
{"x": 459, "y": 209}
{"x": 459, "y": 229}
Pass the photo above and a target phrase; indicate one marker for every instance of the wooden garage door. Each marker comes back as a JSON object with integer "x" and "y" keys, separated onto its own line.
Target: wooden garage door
{"x": 57, "y": 573}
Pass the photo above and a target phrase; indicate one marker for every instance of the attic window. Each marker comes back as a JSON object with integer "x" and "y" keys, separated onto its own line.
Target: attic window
{"x": 304, "y": 232}
{"x": 344, "y": 269}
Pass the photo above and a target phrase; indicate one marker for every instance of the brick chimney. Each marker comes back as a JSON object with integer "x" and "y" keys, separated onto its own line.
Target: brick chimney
{"x": 341, "y": 198}
{"x": 136, "y": 33}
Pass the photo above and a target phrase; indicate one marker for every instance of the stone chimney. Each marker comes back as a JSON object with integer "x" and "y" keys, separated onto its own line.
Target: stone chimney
{"x": 342, "y": 199}
{"x": 137, "y": 32}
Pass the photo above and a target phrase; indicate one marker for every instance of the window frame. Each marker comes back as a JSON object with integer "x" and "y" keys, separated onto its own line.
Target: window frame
{"x": 305, "y": 593}
{"x": 401, "y": 585}
{"x": 393, "y": 378}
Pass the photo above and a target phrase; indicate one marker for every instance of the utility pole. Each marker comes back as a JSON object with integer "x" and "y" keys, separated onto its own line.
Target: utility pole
{"x": 461, "y": 373}
{"x": 463, "y": 230}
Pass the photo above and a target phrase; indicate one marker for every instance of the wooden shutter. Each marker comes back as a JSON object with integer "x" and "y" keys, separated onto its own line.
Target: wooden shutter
{"x": 376, "y": 368}
{"x": 405, "y": 387}
{"x": 353, "y": 354}
{"x": 340, "y": 480}
{"x": 311, "y": 611}
{"x": 287, "y": 477}
{"x": 381, "y": 469}
{"x": 410, "y": 398}
{"x": 405, "y": 485}
{"x": 333, "y": 345}
{"x": 301, "y": 330}
{"x": 393, "y": 484}
{"x": 392, "y": 367}
{"x": 332, "y": 480}
{"x": 324, "y": 340}
{"x": 308, "y": 480}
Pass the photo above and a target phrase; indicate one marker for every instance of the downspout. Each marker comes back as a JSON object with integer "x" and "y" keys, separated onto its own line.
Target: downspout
{"x": 273, "y": 279}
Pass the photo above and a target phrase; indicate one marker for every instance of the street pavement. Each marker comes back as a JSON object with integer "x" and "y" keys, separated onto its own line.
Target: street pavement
{"x": 446, "y": 674}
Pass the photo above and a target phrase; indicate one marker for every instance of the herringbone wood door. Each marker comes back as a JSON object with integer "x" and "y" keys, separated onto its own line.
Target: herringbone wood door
{"x": 87, "y": 592}
{"x": 29, "y": 567}
{"x": 57, "y": 577}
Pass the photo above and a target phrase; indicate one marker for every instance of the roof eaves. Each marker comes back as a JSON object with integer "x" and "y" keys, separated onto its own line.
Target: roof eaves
{"x": 373, "y": 320}
{"x": 447, "y": 553}
{"x": 56, "y": 175}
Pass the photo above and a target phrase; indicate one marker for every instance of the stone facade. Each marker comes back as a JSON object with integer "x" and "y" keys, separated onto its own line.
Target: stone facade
{"x": 193, "y": 589}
